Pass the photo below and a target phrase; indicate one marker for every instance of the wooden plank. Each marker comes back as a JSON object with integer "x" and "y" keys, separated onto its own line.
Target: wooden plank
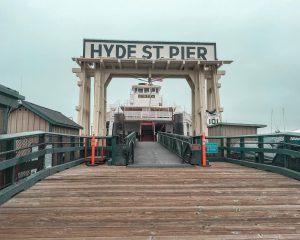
{"x": 224, "y": 201}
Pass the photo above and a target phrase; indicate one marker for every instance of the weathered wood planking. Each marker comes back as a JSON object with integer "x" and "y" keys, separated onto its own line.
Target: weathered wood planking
{"x": 224, "y": 201}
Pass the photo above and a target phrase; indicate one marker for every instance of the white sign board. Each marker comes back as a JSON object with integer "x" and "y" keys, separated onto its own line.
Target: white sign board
{"x": 148, "y": 50}
{"x": 213, "y": 119}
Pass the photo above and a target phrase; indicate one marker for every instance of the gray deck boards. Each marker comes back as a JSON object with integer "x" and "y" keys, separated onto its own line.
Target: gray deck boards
{"x": 154, "y": 154}
{"x": 224, "y": 201}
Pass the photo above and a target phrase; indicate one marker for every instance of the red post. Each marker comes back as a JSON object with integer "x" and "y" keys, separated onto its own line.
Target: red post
{"x": 93, "y": 149}
{"x": 203, "y": 150}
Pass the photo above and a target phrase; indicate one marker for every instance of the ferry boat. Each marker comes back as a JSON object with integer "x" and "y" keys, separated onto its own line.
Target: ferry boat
{"x": 146, "y": 114}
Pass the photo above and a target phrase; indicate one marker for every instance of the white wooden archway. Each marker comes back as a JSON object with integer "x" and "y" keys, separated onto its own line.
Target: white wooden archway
{"x": 201, "y": 75}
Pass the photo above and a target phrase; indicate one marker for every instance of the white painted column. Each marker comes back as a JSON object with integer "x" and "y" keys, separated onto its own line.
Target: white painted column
{"x": 99, "y": 101}
{"x": 200, "y": 105}
{"x": 203, "y": 103}
{"x": 105, "y": 109}
{"x": 209, "y": 95}
{"x": 83, "y": 108}
{"x": 193, "y": 111}
{"x": 215, "y": 91}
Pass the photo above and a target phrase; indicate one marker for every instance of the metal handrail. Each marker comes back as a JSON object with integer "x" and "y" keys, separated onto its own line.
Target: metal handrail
{"x": 279, "y": 152}
{"x": 28, "y": 157}
{"x": 179, "y": 145}
{"x": 130, "y": 142}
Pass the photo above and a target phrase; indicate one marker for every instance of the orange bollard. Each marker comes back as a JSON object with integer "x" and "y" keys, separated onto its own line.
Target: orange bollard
{"x": 203, "y": 150}
{"x": 93, "y": 149}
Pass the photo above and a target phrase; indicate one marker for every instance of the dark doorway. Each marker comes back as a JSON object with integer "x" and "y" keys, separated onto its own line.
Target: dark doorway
{"x": 147, "y": 132}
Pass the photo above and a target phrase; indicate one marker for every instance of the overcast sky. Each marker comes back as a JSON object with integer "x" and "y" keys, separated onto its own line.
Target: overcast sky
{"x": 38, "y": 39}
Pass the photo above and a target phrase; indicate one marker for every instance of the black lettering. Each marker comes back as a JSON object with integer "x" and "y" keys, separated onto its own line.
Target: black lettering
{"x": 93, "y": 50}
{"x": 182, "y": 52}
{"x": 131, "y": 49}
{"x": 108, "y": 49}
{"x": 189, "y": 52}
{"x": 174, "y": 51}
{"x": 122, "y": 53}
{"x": 158, "y": 51}
{"x": 201, "y": 52}
{"x": 146, "y": 50}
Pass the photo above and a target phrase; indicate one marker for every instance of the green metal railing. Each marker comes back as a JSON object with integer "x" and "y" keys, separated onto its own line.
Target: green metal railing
{"x": 130, "y": 142}
{"x": 26, "y": 158}
{"x": 182, "y": 146}
{"x": 278, "y": 153}
{"x": 106, "y": 147}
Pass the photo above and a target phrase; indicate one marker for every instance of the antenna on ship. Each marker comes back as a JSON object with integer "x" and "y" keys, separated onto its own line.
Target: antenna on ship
{"x": 150, "y": 79}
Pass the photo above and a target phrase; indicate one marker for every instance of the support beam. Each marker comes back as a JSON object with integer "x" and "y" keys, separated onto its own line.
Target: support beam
{"x": 167, "y": 65}
{"x": 120, "y": 64}
{"x": 83, "y": 117}
{"x": 145, "y": 72}
{"x": 215, "y": 90}
{"x": 182, "y": 65}
{"x": 193, "y": 111}
{"x": 209, "y": 94}
{"x": 99, "y": 122}
{"x": 199, "y": 103}
{"x": 203, "y": 103}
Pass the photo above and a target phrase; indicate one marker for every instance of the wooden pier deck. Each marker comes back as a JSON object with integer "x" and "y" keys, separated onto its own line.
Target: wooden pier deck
{"x": 224, "y": 201}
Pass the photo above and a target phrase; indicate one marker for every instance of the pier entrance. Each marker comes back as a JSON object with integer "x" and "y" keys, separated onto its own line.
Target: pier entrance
{"x": 104, "y": 60}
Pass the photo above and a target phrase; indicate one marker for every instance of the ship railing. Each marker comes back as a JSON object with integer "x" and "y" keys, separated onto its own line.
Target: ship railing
{"x": 146, "y": 114}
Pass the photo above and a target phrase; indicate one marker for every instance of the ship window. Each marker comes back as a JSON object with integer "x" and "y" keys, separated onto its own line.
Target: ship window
{"x": 146, "y": 90}
{"x": 146, "y": 96}
{"x": 140, "y": 90}
{"x": 152, "y": 89}
{"x": 135, "y": 90}
{"x": 156, "y": 90}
